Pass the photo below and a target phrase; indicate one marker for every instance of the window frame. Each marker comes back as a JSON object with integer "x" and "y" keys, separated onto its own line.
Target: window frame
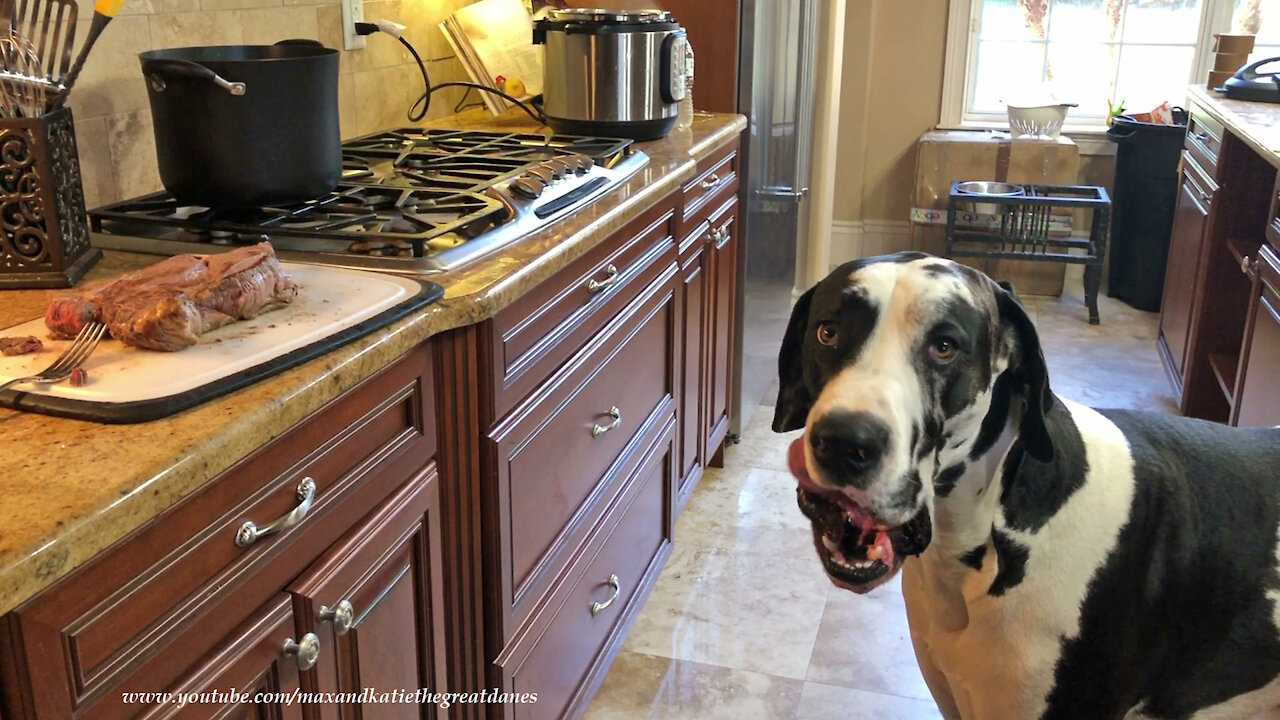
{"x": 962, "y": 54}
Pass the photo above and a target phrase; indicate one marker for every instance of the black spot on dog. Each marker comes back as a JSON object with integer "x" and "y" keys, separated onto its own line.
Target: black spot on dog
{"x": 1032, "y": 492}
{"x": 937, "y": 269}
{"x": 1011, "y": 559}
{"x": 1177, "y": 618}
{"x": 996, "y": 418}
{"x": 932, "y": 437}
{"x": 973, "y": 558}
{"x": 906, "y": 495}
{"x": 946, "y": 480}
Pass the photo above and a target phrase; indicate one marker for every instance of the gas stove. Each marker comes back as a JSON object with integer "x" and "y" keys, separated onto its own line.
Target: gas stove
{"x": 410, "y": 200}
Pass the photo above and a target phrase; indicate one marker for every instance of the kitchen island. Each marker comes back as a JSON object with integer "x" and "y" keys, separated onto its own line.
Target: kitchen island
{"x": 1219, "y": 334}
{"x": 451, "y": 486}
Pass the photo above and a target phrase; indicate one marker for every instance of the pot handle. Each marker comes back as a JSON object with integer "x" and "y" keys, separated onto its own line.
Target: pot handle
{"x": 158, "y": 70}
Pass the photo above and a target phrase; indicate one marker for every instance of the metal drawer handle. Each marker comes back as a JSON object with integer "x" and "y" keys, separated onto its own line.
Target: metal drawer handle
{"x": 599, "y": 607}
{"x": 342, "y": 615}
{"x": 249, "y": 533}
{"x": 305, "y": 651}
{"x": 711, "y": 181}
{"x": 594, "y": 286}
{"x": 598, "y": 430}
{"x": 717, "y": 235}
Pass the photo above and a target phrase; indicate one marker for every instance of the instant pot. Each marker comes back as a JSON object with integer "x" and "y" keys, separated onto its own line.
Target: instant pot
{"x": 619, "y": 73}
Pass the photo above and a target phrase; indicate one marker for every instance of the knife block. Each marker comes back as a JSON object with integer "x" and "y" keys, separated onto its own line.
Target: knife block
{"x": 44, "y": 233}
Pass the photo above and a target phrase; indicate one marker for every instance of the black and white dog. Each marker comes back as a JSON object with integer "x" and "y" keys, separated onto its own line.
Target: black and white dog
{"x": 1058, "y": 561}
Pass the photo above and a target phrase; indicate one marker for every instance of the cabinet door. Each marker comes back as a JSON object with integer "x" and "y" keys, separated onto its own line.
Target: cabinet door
{"x": 695, "y": 311}
{"x": 724, "y": 276}
{"x": 252, "y": 662}
{"x": 1258, "y": 402}
{"x": 1184, "y": 259}
{"x": 374, "y": 599}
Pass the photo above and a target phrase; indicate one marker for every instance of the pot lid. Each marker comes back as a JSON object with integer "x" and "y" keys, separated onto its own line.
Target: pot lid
{"x": 607, "y": 15}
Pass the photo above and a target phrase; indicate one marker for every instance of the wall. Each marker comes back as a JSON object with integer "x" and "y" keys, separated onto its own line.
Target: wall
{"x": 892, "y": 90}
{"x": 376, "y": 84}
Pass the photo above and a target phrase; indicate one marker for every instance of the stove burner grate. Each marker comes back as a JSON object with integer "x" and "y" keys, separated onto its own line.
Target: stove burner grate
{"x": 415, "y": 218}
{"x": 529, "y": 147}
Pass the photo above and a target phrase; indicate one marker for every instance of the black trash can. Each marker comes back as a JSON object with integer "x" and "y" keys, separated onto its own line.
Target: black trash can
{"x": 1143, "y": 203}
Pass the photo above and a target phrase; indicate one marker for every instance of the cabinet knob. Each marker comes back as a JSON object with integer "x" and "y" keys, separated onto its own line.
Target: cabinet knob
{"x": 611, "y": 278}
{"x": 305, "y": 651}
{"x": 616, "y": 414}
{"x": 711, "y": 181}
{"x": 249, "y": 533}
{"x": 342, "y": 616}
{"x": 616, "y": 584}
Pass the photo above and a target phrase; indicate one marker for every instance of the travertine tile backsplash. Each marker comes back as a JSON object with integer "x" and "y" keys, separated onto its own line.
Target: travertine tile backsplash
{"x": 375, "y": 87}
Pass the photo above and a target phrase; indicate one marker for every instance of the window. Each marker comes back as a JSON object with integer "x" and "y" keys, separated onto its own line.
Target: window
{"x": 1139, "y": 52}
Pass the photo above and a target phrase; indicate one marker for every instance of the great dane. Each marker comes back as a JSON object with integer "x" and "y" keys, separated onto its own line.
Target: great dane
{"x": 1058, "y": 562}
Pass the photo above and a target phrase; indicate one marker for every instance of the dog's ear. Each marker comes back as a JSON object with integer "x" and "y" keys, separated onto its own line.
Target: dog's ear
{"x": 794, "y": 400}
{"x": 1030, "y": 375}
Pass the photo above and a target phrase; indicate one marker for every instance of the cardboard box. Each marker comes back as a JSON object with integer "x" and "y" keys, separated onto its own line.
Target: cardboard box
{"x": 947, "y": 155}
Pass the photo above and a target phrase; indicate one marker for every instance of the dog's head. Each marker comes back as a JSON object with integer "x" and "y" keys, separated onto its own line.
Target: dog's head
{"x": 901, "y": 369}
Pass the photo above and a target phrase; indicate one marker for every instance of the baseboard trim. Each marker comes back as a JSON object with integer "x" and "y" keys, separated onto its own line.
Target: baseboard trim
{"x": 852, "y": 239}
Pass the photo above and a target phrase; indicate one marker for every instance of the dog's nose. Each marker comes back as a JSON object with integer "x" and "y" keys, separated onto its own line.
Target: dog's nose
{"x": 849, "y": 445}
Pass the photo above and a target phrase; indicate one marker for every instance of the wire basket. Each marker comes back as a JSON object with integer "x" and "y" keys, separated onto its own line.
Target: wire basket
{"x": 1035, "y": 225}
{"x": 44, "y": 233}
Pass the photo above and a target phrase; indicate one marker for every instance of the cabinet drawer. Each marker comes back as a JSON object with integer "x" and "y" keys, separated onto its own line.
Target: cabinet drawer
{"x": 564, "y": 653}
{"x": 561, "y": 458}
{"x": 717, "y": 178}
{"x": 1204, "y": 140}
{"x": 543, "y": 329}
{"x": 146, "y": 608}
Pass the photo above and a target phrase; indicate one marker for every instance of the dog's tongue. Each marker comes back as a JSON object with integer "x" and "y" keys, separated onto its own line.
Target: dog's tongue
{"x": 881, "y": 547}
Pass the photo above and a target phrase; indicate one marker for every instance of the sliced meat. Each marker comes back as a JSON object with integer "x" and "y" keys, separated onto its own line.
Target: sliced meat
{"x": 167, "y": 306}
{"x": 20, "y": 345}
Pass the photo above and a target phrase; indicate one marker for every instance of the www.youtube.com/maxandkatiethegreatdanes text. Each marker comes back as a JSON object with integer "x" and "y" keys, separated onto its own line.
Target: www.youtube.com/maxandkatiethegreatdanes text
{"x": 367, "y": 696}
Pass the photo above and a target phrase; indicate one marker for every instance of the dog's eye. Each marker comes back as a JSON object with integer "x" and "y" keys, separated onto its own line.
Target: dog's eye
{"x": 828, "y": 334}
{"x": 943, "y": 350}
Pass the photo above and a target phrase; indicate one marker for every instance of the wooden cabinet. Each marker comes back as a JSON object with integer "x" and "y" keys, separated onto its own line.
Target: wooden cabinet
{"x": 695, "y": 319}
{"x": 708, "y": 267}
{"x": 1258, "y": 402}
{"x": 1221, "y": 220}
{"x": 373, "y": 601}
{"x": 1190, "y": 219}
{"x": 146, "y": 614}
{"x": 252, "y": 665}
{"x": 723, "y": 261}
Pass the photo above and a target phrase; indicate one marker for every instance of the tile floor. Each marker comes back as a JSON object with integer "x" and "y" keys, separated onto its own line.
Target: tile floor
{"x": 743, "y": 623}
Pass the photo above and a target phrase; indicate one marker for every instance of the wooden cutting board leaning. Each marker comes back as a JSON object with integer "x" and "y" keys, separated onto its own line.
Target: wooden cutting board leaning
{"x": 128, "y": 384}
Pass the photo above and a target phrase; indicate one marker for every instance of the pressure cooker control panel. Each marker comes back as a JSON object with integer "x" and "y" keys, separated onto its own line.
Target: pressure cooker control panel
{"x": 536, "y": 179}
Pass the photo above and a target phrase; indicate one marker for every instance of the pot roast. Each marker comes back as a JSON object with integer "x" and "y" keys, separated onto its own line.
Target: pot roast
{"x": 169, "y": 305}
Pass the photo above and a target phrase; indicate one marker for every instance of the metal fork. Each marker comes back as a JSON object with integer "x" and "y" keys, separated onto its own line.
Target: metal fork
{"x": 75, "y": 355}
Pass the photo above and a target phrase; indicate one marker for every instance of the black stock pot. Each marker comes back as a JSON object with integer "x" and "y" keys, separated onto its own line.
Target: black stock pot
{"x": 241, "y": 126}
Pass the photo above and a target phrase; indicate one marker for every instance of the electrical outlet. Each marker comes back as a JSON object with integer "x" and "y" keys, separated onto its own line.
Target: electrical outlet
{"x": 352, "y": 13}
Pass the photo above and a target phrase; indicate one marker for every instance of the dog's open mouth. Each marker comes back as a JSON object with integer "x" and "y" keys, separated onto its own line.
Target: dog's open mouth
{"x": 857, "y": 551}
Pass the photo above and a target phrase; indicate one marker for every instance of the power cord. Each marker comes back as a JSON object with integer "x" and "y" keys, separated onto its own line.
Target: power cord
{"x": 418, "y": 110}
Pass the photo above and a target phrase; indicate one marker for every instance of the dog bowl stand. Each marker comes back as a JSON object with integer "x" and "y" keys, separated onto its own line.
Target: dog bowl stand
{"x": 1034, "y": 226}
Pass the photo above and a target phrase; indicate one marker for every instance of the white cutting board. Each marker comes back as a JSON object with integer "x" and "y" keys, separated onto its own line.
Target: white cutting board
{"x": 329, "y": 301}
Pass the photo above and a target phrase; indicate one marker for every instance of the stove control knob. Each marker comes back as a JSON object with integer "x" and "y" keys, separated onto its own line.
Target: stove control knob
{"x": 528, "y": 187}
{"x": 582, "y": 164}
{"x": 557, "y": 167}
{"x": 542, "y": 173}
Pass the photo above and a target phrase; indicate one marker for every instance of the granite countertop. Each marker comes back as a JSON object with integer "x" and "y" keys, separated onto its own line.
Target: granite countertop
{"x": 1257, "y": 124}
{"x": 72, "y": 488}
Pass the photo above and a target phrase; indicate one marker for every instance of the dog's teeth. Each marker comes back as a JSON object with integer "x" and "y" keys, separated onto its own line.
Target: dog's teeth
{"x": 874, "y": 552}
{"x": 830, "y": 544}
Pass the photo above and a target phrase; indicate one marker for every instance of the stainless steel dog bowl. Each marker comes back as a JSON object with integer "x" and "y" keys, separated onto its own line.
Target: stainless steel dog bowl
{"x": 989, "y": 188}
